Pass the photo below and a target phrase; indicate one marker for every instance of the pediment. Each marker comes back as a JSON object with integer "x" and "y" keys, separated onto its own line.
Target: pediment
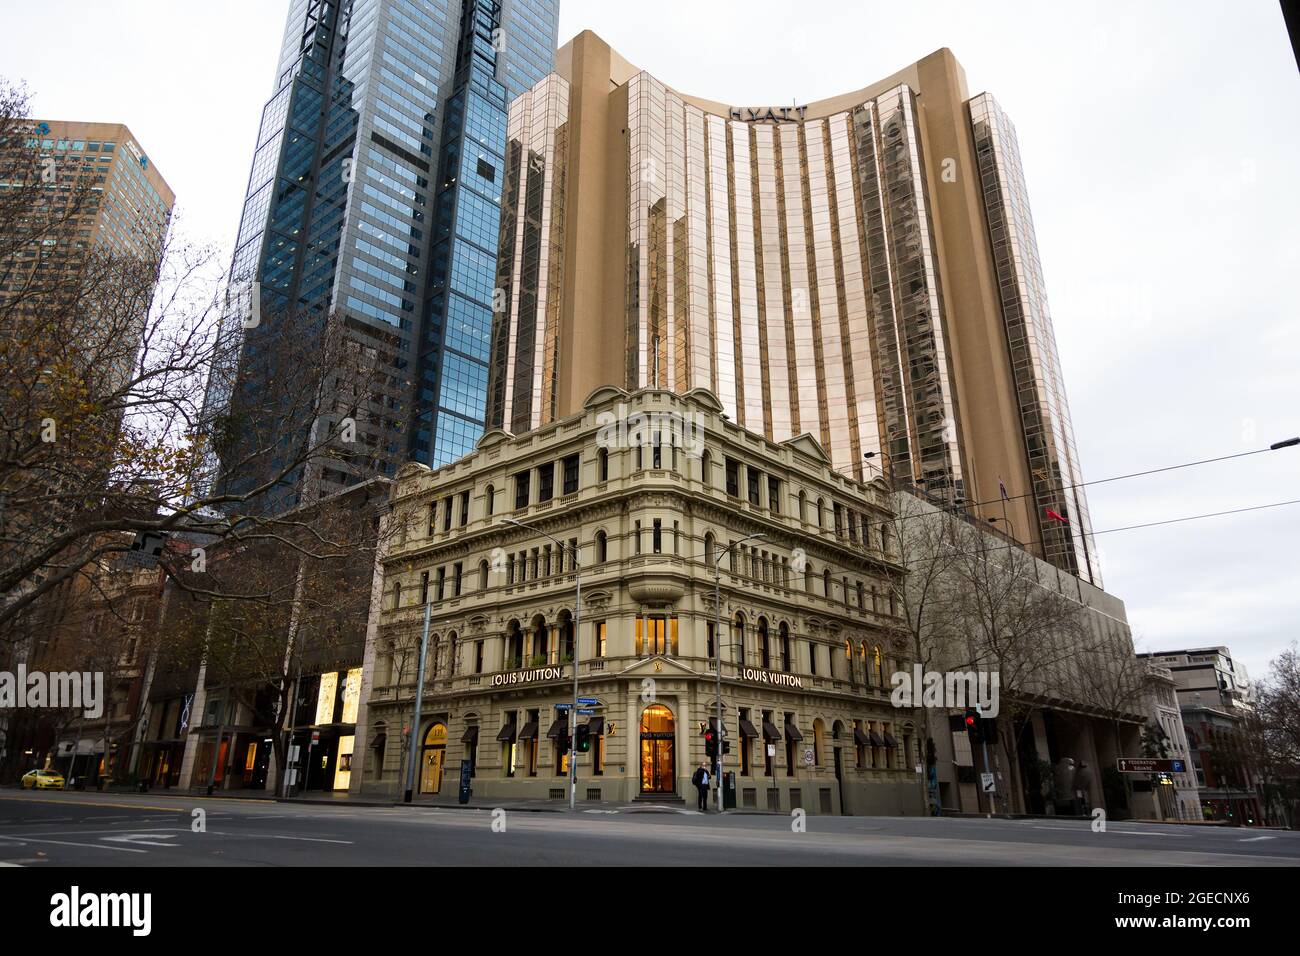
{"x": 809, "y": 446}
{"x": 658, "y": 668}
{"x": 493, "y": 437}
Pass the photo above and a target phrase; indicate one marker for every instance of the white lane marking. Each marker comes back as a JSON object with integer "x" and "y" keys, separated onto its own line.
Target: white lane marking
{"x": 140, "y": 838}
{"x": 1123, "y": 832}
{"x": 255, "y": 836}
{"x": 14, "y": 865}
{"x": 1254, "y": 839}
{"x": 94, "y": 846}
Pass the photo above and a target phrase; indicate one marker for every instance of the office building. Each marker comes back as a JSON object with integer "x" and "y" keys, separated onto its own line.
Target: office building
{"x": 372, "y": 199}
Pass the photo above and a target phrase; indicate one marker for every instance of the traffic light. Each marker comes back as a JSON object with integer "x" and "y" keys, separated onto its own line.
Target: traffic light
{"x": 710, "y": 743}
{"x": 562, "y": 741}
{"x": 989, "y": 730}
{"x": 974, "y": 726}
{"x": 584, "y": 739}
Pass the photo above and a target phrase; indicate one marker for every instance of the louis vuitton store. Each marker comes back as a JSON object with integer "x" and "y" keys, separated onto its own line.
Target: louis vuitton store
{"x": 808, "y": 629}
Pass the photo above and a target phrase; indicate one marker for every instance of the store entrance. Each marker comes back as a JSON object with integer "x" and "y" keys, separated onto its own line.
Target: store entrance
{"x": 432, "y": 756}
{"x": 658, "y": 745}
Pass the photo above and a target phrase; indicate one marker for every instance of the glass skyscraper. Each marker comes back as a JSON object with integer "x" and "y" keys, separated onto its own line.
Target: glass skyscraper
{"x": 373, "y": 198}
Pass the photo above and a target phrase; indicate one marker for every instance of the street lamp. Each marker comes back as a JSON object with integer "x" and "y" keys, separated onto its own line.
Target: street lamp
{"x": 717, "y": 652}
{"x": 577, "y": 631}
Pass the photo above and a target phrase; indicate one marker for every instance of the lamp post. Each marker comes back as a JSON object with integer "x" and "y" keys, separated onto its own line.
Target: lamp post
{"x": 577, "y": 624}
{"x": 411, "y": 755}
{"x": 717, "y": 651}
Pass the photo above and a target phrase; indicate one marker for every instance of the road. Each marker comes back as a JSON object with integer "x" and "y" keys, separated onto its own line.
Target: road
{"x": 50, "y": 829}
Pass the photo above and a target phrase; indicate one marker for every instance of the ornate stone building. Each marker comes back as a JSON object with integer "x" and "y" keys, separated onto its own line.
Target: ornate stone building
{"x": 651, "y": 490}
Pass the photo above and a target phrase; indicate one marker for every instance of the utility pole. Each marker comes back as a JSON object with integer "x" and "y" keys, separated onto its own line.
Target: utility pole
{"x": 717, "y": 658}
{"x": 419, "y": 706}
{"x": 577, "y": 620}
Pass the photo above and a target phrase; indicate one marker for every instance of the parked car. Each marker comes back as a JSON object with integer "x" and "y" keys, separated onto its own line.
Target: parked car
{"x": 43, "y": 780}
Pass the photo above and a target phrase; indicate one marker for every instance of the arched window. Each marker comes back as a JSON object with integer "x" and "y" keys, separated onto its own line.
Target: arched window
{"x": 453, "y": 654}
{"x": 738, "y": 643}
{"x": 708, "y": 548}
{"x": 489, "y": 498}
{"x": 787, "y": 664}
{"x": 808, "y": 578}
{"x": 866, "y": 671}
{"x": 826, "y": 584}
{"x": 397, "y": 594}
{"x": 764, "y": 656}
{"x": 878, "y": 663}
{"x": 821, "y": 517}
{"x": 565, "y": 649}
{"x": 541, "y": 642}
{"x": 602, "y": 547}
{"x": 514, "y": 658}
{"x": 602, "y": 465}
{"x": 803, "y": 507}
{"x": 706, "y": 469}
{"x": 484, "y": 570}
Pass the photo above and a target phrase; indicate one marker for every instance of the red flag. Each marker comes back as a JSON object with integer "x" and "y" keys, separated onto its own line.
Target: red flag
{"x": 1054, "y": 516}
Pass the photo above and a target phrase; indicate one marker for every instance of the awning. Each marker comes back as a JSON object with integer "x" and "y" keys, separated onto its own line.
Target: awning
{"x": 875, "y": 740}
{"x": 860, "y": 737}
{"x": 470, "y": 736}
{"x": 792, "y": 732}
{"x": 890, "y": 741}
{"x": 559, "y": 729}
{"x": 748, "y": 730}
{"x": 529, "y": 732}
{"x": 769, "y": 732}
{"x": 378, "y": 740}
{"x": 596, "y": 726}
{"x": 507, "y": 734}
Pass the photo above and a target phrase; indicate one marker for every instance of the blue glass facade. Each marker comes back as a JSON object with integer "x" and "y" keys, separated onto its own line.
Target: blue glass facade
{"x": 373, "y": 198}
{"x": 504, "y": 49}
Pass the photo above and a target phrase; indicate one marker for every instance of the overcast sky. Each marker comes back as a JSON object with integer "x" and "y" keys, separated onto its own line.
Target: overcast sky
{"x": 1160, "y": 144}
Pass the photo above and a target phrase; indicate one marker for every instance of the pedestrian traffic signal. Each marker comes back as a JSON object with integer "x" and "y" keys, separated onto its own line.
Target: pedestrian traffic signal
{"x": 974, "y": 725}
{"x": 710, "y": 743}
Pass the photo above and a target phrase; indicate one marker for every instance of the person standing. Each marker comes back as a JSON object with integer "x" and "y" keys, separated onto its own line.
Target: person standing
{"x": 701, "y": 780}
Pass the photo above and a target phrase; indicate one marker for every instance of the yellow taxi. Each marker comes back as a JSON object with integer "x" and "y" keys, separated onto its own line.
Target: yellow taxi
{"x": 43, "y": 780}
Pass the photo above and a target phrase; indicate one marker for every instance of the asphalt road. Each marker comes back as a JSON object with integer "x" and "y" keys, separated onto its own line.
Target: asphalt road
{"x": 51, "y": 829}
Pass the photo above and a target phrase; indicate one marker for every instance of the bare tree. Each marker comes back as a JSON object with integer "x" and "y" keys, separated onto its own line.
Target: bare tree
{"x": 1017, "y": 624}
{"x": 108, "y": 431}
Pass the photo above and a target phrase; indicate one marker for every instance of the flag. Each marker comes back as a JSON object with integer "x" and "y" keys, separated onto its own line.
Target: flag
{"x": 1003, "y": 488}
{"x": 1054, "y": 516}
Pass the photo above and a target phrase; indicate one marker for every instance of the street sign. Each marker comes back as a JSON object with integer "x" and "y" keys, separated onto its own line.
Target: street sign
{"x": 771, "y": 750}
{"x": 563, "y": 706}
{"x": 588, "y": 701}
{"x": 585, "y": 711}
{"x": 315, "y": 737}
{"x": 987, "y": 784}
{"x": 1150, "y": 765}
